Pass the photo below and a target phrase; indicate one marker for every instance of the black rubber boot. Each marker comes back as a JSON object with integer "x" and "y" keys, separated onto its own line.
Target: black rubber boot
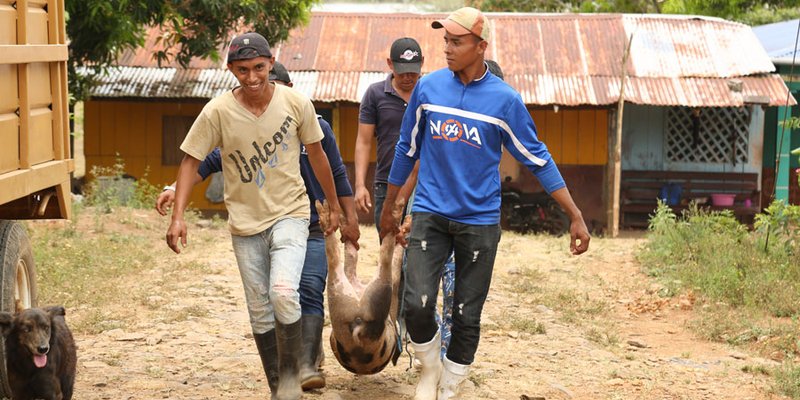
{"x": 289, "y": 347}
{"x": 310, "y": 377}
{"x": 267, "y": 346}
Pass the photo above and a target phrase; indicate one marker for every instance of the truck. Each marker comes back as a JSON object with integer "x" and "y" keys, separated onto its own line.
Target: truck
{"x": 35, "y": 159}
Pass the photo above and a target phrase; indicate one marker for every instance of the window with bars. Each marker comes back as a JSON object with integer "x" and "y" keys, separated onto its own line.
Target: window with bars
{"x": 708, "y": 135}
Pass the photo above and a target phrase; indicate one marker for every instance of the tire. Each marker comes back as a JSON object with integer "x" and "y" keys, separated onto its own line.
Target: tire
{"x": 17, "y": 280}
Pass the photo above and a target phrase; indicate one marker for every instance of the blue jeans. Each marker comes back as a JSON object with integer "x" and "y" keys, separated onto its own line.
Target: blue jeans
{"x": 270, "y": 264}
{"x": 475, "y": 246}
{"x": 379, "y": 197}
{"x": 448, "y": 290}
{"x": 312, "y": 281}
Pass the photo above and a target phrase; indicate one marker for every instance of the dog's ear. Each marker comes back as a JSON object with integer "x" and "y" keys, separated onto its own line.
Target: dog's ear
{"x": 6, "y": 322}
{"x": 55, "y": 310}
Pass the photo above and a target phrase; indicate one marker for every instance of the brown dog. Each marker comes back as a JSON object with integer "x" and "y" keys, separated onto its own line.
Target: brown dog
{"x": 40, "y": 354}
{"x": 364, "y": 337}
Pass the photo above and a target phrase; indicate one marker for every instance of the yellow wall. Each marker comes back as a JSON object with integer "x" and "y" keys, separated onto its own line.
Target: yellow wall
{"x": 131, "y": 130}
{"x": 347, "y": 131}
{"x": 574, "y": 137}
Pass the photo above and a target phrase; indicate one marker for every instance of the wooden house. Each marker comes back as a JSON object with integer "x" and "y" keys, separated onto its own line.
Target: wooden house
{"x": 567, "y": 68}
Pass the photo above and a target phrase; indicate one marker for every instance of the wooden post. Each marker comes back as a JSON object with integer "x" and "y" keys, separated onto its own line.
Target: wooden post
{"x": 615, "y": 149}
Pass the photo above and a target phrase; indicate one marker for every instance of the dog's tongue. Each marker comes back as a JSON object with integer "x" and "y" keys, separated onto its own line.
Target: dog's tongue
{"x": 40, "y": 360}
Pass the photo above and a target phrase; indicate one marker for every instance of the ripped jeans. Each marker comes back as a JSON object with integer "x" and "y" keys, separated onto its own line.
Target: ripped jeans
{"x": 475, "y": 247}
{"x": 270, "y": 264}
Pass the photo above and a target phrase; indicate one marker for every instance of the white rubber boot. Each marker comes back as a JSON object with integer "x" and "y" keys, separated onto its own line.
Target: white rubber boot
{"x": 452, "y": 376}
{"x": 428, "y": 356}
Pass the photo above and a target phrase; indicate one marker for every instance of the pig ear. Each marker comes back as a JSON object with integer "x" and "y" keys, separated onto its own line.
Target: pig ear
{"x": 6, "y": 322}
{"x": 56, "y": 310}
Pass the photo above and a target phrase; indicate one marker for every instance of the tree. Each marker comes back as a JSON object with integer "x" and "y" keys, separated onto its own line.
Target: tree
{"x": 618, "y": 6}
{"x": 751, "y": 12}
{"x": 99, "y": 30}
{"x": 522, "y": 5}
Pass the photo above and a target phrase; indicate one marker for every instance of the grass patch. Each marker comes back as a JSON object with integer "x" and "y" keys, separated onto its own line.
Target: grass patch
{"x": 756, "y": 370}
{"x": 573, "y": 305}
{"x": 787, "y": 379}
{"x": 99, "y": 273}
{"x": 526, "y": 325}
{"x": 88, "y": 270}
{"x": 748, "y": 282}
{"x": 93, "y": 264}
{"x": 604, "y": 336}
{"x": 194, "y": 311}
{"x": 713, "y": 254}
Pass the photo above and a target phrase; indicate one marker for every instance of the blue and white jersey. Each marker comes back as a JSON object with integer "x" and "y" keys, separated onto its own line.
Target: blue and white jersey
{"x": 458, "y": 131}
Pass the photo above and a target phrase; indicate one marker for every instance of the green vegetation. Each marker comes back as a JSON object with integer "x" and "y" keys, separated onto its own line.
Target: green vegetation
{"x": 527, "y": 325}
{"x": 99, "y": 30}
{"x": 79, "y": 270}
{"x": 751, "y": 12}
{"x": 92, "y": 268}
{"x": 748, "y": 281}
{"x": 110, "y": 187}
{"x": 715, "y": 255}
{"x": 787, "y": 380}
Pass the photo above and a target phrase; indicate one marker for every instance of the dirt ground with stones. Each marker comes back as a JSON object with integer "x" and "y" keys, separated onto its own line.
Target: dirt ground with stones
{"x": 639, "y": 348}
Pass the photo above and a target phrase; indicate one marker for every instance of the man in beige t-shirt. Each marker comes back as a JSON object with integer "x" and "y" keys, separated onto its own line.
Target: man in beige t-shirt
{"x": 260, "y": 128}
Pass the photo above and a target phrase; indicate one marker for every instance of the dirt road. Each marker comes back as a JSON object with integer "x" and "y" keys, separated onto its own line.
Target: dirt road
{"x": 554, "y": 327}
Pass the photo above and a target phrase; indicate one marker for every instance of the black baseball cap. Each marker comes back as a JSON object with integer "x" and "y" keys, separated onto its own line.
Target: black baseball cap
{"x": 279, "y": 73}
{"x": 406, "y": 56}
{"x": 493, "y": 67}
{"x": 247, "y": 46}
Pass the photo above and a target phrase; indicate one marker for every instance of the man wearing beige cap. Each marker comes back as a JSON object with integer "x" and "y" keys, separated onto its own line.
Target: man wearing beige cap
{"x": 457, "y": 122}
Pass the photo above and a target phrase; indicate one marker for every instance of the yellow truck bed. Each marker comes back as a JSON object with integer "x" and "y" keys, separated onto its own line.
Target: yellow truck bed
{"x": 35, "y": 163}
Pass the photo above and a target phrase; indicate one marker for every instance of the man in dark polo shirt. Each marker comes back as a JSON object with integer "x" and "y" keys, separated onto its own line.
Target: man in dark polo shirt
{"x": 380, "y": 115}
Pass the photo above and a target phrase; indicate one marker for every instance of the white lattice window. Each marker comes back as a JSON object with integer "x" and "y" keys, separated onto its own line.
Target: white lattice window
{"x": 708, "y": 135}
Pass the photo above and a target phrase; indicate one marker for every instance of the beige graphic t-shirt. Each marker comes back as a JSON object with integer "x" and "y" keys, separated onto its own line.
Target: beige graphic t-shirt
{"x": 260, "y": 156}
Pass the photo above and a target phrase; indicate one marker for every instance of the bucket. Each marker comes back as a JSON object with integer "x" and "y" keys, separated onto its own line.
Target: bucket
{"x": 722, "y": 199}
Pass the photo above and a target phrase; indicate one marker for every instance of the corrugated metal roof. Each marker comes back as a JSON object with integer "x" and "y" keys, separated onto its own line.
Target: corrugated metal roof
{"x": 163, "y": 82}
{"x": 121, "y": 82}
{"x": 779, "y": 39}
{"x": 564, "y": 59}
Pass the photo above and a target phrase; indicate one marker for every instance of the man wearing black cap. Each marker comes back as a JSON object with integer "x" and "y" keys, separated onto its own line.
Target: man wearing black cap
{"x": 261, "y": 129}
{"x": 279, "y": 74}
{"x": 458, "y": 120}
{"x": 380, "y": 115}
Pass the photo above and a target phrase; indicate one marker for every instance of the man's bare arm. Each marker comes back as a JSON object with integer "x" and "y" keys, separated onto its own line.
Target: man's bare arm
{"x": 366, "y": 134}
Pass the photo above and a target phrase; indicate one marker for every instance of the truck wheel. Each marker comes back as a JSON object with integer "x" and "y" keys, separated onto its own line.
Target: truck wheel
{"x": 18, "y": 274}
{"x": 17, "y": 281}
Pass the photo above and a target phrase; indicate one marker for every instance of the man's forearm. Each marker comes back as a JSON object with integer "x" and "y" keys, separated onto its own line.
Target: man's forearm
{"x": 348, "y": 208}
{"x": 187, "y": 174}
{"x": 197, "y": 179}
{"x": 408, "y": 188}
{"x": 322, "y": 171}
{"x": 362, "y": 153}
{"x": 391, "y": 197}
{"x": 564, "y": 199}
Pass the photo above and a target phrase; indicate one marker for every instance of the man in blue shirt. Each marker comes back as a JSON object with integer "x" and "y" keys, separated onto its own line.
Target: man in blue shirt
{"x": 457, "y": 121}
{"x": 315, "y": 267}
{"x": 379, "y": 117}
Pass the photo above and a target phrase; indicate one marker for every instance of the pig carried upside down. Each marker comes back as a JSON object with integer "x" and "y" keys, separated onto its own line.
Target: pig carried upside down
{"x": 364, "y": 337}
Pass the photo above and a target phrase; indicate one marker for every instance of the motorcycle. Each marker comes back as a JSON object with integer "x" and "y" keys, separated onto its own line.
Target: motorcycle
{"x": 532, "y": 213}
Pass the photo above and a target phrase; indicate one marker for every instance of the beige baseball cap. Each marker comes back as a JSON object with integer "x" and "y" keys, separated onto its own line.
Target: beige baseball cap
{"x": 464, "y": 21}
